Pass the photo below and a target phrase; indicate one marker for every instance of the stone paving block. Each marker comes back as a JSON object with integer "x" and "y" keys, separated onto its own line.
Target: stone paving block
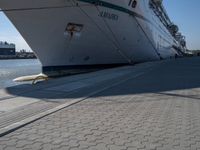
{"x": 135, "y": 115}
{"x": 116, "y": 147}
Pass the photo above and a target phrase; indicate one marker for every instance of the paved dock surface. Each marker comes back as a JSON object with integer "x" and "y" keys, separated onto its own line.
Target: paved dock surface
{"x": 150, "y": 106}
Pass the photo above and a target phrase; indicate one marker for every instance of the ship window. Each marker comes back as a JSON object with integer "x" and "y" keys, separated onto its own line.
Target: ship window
{"x": 151, "y": 4}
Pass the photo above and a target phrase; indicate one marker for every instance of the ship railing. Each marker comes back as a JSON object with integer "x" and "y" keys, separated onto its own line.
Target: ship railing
{"x": 160, "y": 12}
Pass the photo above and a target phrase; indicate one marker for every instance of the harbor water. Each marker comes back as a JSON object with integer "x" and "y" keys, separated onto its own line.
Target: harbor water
{"x": 11, "y": 69}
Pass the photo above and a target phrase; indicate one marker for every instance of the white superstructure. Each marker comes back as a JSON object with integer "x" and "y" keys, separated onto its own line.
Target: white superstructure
{"x": 74, "y": 35}
{"x": 5, "y": 45}
{"x": 6, "y": 49}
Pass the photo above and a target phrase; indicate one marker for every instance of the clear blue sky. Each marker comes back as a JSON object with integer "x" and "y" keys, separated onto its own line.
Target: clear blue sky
{"x": 10, "y": 34}
{"x": 184, "y": 13}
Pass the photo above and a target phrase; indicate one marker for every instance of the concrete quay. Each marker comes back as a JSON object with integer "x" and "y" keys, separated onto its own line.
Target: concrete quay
{"x": 149, "y": 106}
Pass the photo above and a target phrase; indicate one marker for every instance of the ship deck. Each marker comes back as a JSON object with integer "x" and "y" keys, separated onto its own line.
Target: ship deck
{"x": 151, "y": 106}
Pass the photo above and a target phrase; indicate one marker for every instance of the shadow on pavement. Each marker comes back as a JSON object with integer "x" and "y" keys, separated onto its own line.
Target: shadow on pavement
{"x": 167, "y": 76}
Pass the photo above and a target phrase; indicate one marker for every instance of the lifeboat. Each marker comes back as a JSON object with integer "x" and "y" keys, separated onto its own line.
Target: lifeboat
{"x": 173, "y": 29}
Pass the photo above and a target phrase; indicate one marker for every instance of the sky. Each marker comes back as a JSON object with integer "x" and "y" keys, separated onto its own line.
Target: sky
{"x": 184, "y": 13}
{"x": 9, "y": 33}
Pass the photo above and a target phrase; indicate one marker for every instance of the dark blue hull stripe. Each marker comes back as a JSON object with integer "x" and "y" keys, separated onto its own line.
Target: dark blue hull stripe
{"x": 80, "y": 67}
{"x": 115, "y": 7}
{"x": 121, "y": 9}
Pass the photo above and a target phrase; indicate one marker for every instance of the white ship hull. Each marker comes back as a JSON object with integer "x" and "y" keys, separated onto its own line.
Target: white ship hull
{"x": 109, "y": 35}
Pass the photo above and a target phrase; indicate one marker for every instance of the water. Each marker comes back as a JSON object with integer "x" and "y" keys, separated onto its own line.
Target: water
{"x": 11, "y": 69}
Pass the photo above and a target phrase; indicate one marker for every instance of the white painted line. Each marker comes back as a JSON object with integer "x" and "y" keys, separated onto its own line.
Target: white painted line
{"x": 8, "y": 129}
{"x": 10, "y": 104}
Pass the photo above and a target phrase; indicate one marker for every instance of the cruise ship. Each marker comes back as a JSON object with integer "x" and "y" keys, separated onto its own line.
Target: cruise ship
{"x": 7, "y": 49}
{"x": 70, "y": 36}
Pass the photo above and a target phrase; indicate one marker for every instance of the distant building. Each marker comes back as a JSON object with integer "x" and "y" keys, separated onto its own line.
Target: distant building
{"x": 196, "y": 52}
{"x": 7, "y": 49}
